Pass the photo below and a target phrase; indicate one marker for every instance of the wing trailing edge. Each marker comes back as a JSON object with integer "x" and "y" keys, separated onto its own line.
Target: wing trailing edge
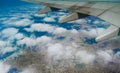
{"x": 108, "y": 11}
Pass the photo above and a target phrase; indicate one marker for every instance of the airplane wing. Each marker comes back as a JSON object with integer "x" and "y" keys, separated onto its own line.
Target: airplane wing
{"x": 108, "y": 11}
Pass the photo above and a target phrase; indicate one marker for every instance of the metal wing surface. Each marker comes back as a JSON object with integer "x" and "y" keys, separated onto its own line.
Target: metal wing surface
{"x": 108, "y": 11}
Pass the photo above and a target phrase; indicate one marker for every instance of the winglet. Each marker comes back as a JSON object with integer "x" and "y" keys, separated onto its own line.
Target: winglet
{"x": 112, "y": 31}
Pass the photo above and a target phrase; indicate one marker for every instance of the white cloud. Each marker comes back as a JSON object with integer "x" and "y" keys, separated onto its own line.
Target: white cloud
{"x": 50, "y": 29}
{"x": 27, "y": 41}
{"x": 60, "y": 30}
{"x": 26, "y": 16}
{"x": 61, "y": 13}
{"x": 4, "y": 68}
{"x": 93, "y": 32}
{"x": 7, "y": 49}
{"x": 69, "y": 52}
{"x": 96, "y": 22}
{"x": 15, "y": 21}
{"x": 84, "y": 57}
{"x": 41, "y": 27}
{"x": 29, "y": 70}
{"x": 23, "y": 22}
{"x": 74, "y": 31}
{"x": 9, "y": 31}
{"x": 105, "y": 56}
{"x": 10, "y": 21}
{"x": 29, "y": 29}
{"x": 34, "y": 41}
{"x": 56, "y": 51}
{"x": 49, "y": 19}
{"x": 40, "y": 15}
{"x": 43, "y": 39}
{"x": 2, "y": 43}
{"x": 59, "y": 51}
{"x": 19, "y": 36}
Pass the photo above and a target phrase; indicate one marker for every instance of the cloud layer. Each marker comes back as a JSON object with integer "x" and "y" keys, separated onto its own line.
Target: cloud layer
{"x": 63, "y": 50}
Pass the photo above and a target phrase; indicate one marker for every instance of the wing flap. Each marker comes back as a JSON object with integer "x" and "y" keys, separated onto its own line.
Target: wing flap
{"x": 47, "y": 9}
{"x": 107, "y": 11}
{"x": 72, "y": 16}
{"x": 112, "y": 31}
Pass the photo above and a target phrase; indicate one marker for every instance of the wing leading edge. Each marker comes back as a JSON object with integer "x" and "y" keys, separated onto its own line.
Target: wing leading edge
{"x": 108, "y": 11}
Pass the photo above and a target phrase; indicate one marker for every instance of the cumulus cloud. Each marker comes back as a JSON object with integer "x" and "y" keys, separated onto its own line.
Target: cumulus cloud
{"x": 93, "y": 32}
{"x": 96, "y": 22}
{"x": 105, "y": 56}
{"x": 74, "y": 31}
{"x": 56, "y": 51}
{"x": 9, "y": 31}
{"x": 49, "y": 19}
{"x": 65, "y": 51}
{"x": 5, "y": 46}
{"x": 50, "y": 29}
{"x": 23, "y": 22}
{"x": 60, "y": 30}
{"x": 28, "y": 70}
{"x": 15, "y": 21}
{"x": 60, "y": 51}
{"x": 10, "y": 21}
{"x": 4, "y": 68}
{"x": 34, "y": 41}
{"x": 84, "y": 57}
{"x": 27, "y": 41}
{"x": 2, "y": 43}
{"x": 43, "y": 39}
{"x": 61, "y": 13}
{"x": 41, "y": 27}
{"x": 19, "y": 36}
{"x": 7, "y": 49}
{"x": 40, "y": 15}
